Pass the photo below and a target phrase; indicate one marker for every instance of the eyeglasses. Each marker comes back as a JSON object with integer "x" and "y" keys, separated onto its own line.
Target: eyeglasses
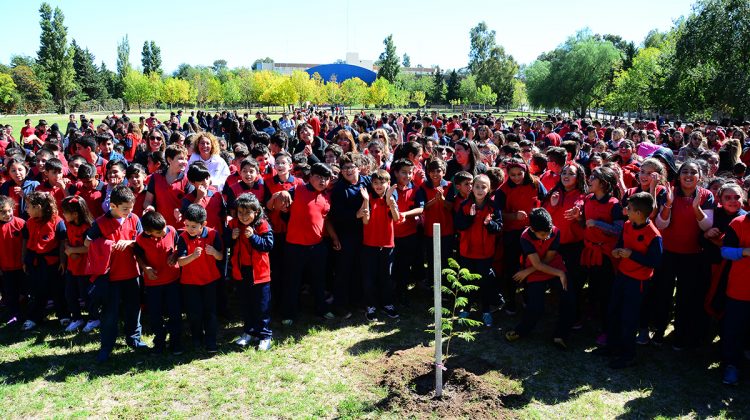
{"x": 154, "y": 138}
{"x": 348, "y": 168}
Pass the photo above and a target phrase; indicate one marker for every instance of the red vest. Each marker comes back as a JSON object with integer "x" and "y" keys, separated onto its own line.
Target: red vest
{"x": 307, "y": 216}
{"x": 258, "y": 189}
{"x": 213, "y": 202}
{"x": 637, "y": 240}
{"x": 76, "y": 236}
{"x": 122, "y": 263}
{"x": 11, "y": 241}
{"x": 437, "y": 213}
{"x": 56, "y": 192}
{"x": 597, "y": 244}
{"x": 42, "y": 239}
{"x": 168, "y": 197}
{"x": 202, "y": 270}
{"x": 405, "y": 203}
{"x": 477, "y": 242}
{"x": 738, "y": 285}
{"x": 156, "y": 252}
{"x": 275, "y": 185}
{"x": 571, "y": 231}
{"x": 244, "y": 255}
{"x": 523, "y": 197}
{"x": 379, "y": 231}
{"x": 93, "y": 197}
{"x": 683, "y": 234}
{"x": 541, "y": 248}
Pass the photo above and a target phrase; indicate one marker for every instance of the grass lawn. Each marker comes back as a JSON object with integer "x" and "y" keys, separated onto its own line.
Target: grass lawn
{"x": 336, "y": 369}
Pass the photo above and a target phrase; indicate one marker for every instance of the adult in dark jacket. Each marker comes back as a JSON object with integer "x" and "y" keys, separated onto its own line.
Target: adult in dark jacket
{"x": 313, "y": 147}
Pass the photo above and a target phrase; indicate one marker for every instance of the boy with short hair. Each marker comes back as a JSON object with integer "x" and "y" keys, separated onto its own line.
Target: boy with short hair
{"x": 260, "y": 153}
{"x": 90, "y": 188}
{"x": 462, "y": 181}
{"x": 137, "y": 179}
{"x": 198, "y": 249}
{"x": 434, "y": 196}
{"x": 155, "y": 252}
{"x": 406, "y": 257}
{"x": 205, "y": 195}
{"x": 53, "y": 183}
{"x": 250, "y": 182}
{"x": 120, "y": 226}
{"x": 639, "y": 250}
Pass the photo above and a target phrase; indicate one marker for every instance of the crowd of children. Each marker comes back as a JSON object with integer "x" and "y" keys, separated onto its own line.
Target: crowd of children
{"x": 176, "y": 216}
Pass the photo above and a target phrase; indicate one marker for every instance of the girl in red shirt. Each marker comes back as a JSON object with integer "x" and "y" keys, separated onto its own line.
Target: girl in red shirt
{"x": 43, "y": 259}
{"x": 78, "y": 220}
{"x": 11, "y": 261}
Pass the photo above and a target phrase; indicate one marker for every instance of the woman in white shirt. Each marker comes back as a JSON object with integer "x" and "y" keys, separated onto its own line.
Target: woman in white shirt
{"x": 206, "y": 150}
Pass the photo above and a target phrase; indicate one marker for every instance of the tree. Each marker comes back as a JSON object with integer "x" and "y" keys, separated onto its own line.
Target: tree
{"x": 655, "y": 39}
{"x": 87, "y": 75}
{"x": 539, "y": 88}
{"x": 377, "y": 94}
{"x": 354, "y": 91}
{"x": 8, "y": 95}
{"x": 468, "y": 89}
{"x": 419, "y": 98}
{"x": 490, "y": 64}
{"x": 406, "y": 60}
{"x": 436, "y": 93}
{"x": 123, "y": 65}
{"x": 485, "y": 95}
{"x": 334, "y": 95}
{"x": 635, "y": 88}
{"x": 258, "y": 62}
{"x": 31, "y": 89}
{"x": 139, "y": 89}
{"x": 452, "y": 87}
{"x": 55, "y": 56}
{"x": 219, "y": 66}
{"x": 388, "y": 61}
{"x": 175, "y": 91}
{"x": 519, "y": 94}
{"x": 109, "y": 79}
{"x": 151, "y": 58}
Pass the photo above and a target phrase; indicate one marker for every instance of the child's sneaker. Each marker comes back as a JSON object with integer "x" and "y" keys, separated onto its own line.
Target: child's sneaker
{"x": 370, "y": 314}
{"x": 329, "y": 316}
{"x": 487, "y": 319}
{"x": 391, "y": 311}
{"x": 74, "y": 326}
{"x": 287, "y": 322}
{"x": 91, "y": 325}
{"x": 643, "y": 338}
{"x": 512, "y": 336}
{"x": 731, "y": 375}
{"x": 244, "y": 340}
{"x": 11, "y": 322}
{"x": 264, "y": 345}
{"x": 28, "y": 325}
{"x": 64, "y": 322}
{"x": 50, "y": 304}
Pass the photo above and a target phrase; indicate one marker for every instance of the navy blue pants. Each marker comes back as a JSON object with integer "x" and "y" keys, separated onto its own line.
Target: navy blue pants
{"x": 76, "y": 289}
{"x": 277, "y": 266}
{"x": 600, "y": 287}
{"x": 624, "y": 314}
{"x": 347, "y": 271}
{"x": 44, "y": 284}
{"x": 487, "y": 293}
{"x": 571, "y": 255}
{"x": 164, "y": 302}
{"x": 406, "y": 258}
{"x": 535, "y": 294}
{"x": 376, "y": 263}
{"x": 734, "y": 330}
{"x": 511, "y": 265}
{"x": 13, "y": 283}
{"x": 125, "y": 295}
{"x": 97, "y": 292}
{"x": 200, "y": 306}
{"x": 308, "y": 261}
{"x": 257, "y": 306}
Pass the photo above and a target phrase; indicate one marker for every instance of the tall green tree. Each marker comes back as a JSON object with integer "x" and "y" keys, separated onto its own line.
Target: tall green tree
{"x": 55, "y": 56}
{"x": 123, "y": 65}
{"x": 438, "y": 84}
{"x": 87, "y": 77}
{"x": 452, "y": 87}
{"x": 139, "y": 89}
{"x": 490, "y": 64}
{"x": 406, "y": 60}
{"x": 389, "y": 63}
{"x": 151, "y": 58}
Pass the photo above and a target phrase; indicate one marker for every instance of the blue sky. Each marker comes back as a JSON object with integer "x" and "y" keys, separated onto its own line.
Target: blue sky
{"x": 432, "y": 33}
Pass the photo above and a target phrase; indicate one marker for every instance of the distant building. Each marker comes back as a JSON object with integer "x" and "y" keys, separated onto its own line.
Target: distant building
{"x": 352, "y": 59}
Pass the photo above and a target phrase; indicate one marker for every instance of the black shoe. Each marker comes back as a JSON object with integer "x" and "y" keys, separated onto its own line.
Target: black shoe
{"x": 212, "y": 349}
{"x": 370, "y": 314}
{"x": 391, "y": 311}
{"x": 621, "y": 363}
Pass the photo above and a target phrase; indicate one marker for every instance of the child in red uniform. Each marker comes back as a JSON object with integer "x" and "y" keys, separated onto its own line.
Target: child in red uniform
{"x": 378, "y": 213}
{"x": 308, "y": 208}
{"x": 520, "y": 193}
{"x": 167, "y": 188}
{"x": 736, "y": 248}
{"x": 251, "y": 182}
{"x": 155, "y": 252}
{"x": 282, "y": 181}
{"x": 252, "y": 240}
{"x": 198, "y": 249}
{"x": 44, "y": 259}
{"x": 17, "y": 187}
{"x": 78, "y": 220}
{"x": 603, "y": 217}
{"x": 543, "y": 266}
{"x": 406, "y": 263}
{"x": 479, "y": 221}
{"x": 137, "y": 179}
{"x": 54, "y": 182}
{"x": 90, "y": 188}
{"x": 434, "y": 195}
{"x": 11, "y": 260}
{"x": 639, "y": 250}
{"x": 205, "y": 195}
{"x": 119, "y": 287}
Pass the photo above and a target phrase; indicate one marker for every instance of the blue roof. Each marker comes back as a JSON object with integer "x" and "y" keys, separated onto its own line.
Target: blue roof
{"x": 342, "y": 72}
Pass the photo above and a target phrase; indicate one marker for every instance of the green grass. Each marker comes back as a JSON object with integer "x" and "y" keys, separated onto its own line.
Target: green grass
{"x": 334, "y": 369}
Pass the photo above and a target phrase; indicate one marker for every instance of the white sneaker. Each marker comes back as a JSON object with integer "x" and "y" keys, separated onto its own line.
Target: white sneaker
{"x": 91, "y": 326}
{"x": 264, "y": 345}
{"x": 64, "y": 322}
{"x": 244, "y": 340}
{"x": 74, "y": 326}
{"x": 28, "y": 325}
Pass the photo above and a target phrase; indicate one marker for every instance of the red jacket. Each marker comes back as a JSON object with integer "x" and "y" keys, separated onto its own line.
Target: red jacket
{"x": 531, "y": 245}
{"x": 477, "y": 240}
{"x": 156, "y": 252}
{"x": 122, "y": 263}
{"x": 252, "y": 251}
{"x": 202, "y": 270}
{"x": 11, "y": 238}
{"x": 637, "y": 240}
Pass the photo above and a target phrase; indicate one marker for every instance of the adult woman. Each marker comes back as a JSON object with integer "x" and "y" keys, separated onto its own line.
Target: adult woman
{"x": 346, "y": 141}
{"x": 694, "y": 148}
{"x": 154, "y": 143}
{"x": 467, "y": 158}
{"x": 207, "y": 150}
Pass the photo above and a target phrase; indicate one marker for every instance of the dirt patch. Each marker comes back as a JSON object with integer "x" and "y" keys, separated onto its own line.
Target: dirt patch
{"x": 410, "y": 380}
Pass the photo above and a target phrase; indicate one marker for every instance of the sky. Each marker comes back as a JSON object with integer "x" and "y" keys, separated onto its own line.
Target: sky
{"x": 320, "y": 32}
